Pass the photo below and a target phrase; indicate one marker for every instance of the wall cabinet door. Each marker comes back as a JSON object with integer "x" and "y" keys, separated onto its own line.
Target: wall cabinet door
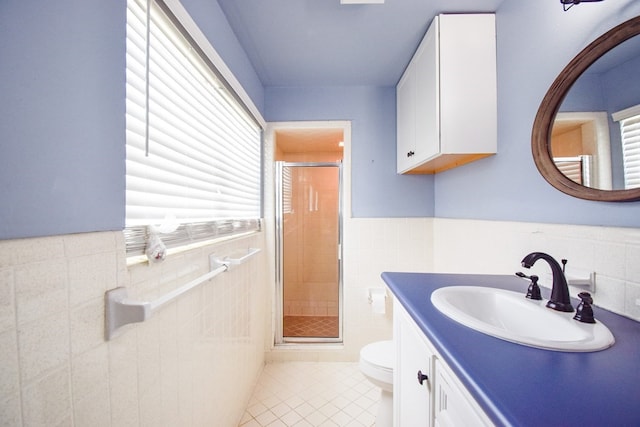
{"x": 418, "y": 126}
{"x": 406, "y": 130}
{"x": 413, "y": 380}
{"x": 447, "y": 97}
{"x": 468, "y": 86}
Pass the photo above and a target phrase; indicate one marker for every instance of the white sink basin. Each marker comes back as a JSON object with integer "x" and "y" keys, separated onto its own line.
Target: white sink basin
{"x": 510, "y": 316}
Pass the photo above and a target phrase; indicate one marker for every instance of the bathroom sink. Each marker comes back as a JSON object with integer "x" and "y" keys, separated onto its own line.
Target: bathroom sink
{"x": 510, "y": 316}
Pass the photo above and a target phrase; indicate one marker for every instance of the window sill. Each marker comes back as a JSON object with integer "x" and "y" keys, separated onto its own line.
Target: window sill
{"x": 142, "y": 259}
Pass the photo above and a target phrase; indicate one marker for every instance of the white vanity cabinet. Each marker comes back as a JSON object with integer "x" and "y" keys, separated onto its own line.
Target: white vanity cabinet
{"x": 412, "y": 374}
{"x": 441, "y": 399}
{"x": 447, "y": 97}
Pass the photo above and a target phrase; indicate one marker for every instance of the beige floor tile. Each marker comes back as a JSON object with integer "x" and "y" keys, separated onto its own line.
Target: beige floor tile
{"x": 304, "y": 394}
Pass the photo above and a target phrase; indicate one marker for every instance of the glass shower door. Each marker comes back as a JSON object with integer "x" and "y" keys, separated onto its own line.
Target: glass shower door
{"x": 309, "y": 244}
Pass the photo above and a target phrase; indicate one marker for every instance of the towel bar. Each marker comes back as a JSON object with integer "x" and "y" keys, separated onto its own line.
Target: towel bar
{"x": 120, "y": 311}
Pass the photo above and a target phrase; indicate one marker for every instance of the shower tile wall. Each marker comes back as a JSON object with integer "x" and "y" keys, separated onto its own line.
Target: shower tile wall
{"x": 57, "y": 369}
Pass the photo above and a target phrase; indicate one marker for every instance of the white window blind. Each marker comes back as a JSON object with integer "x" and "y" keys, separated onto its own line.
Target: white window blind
{"x": 576, "y": 168}
{"x": 287, "y": 191}
{"x": 629, "y": 120}
{"x": 193, "y": 151}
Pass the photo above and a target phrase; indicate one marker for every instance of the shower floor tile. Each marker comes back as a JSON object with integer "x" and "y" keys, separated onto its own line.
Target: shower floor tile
{"x": 303, "y": 394}
{"x": 310, "y": 326}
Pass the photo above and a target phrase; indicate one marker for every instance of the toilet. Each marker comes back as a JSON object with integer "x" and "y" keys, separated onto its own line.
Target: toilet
{"x": 376, "y": 364}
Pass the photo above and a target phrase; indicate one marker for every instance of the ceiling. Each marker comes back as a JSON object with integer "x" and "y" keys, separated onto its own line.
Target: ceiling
{"x": 323, "y": 43}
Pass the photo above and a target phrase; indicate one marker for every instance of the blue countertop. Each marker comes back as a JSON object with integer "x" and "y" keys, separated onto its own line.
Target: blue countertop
{"x": 525, "y": 386}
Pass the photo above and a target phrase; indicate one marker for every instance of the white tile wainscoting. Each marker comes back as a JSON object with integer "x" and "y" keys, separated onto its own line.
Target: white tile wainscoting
{"x": 613, "y": 253}
{"x": 56, "y": 368}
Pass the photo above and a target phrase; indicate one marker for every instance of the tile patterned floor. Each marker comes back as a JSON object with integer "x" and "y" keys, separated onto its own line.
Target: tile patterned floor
{"x": 310, "y": 326}
{"x": 305, "y": 394}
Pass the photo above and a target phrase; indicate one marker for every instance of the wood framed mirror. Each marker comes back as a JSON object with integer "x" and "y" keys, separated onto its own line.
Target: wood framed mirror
{"x": 623, "y": 39}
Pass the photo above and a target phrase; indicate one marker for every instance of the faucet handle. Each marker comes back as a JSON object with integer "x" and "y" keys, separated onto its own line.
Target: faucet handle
{"x": 584, "y": 311}
{"x": 533, "y": 292}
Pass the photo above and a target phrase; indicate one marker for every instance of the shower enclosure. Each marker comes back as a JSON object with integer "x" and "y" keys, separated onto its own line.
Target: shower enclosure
{"x": 309, "y": 236}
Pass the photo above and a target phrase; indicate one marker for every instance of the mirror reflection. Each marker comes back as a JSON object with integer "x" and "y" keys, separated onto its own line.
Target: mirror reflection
{"x": 595, "y": 139}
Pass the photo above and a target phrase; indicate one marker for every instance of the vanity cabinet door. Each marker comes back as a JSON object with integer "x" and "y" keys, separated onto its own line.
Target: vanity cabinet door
{"x": 453, "y": 406}
{"x": 413, "y": 374}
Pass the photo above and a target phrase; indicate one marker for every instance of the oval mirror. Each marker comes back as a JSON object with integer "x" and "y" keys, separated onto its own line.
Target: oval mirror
{"x": 577, "y": 142}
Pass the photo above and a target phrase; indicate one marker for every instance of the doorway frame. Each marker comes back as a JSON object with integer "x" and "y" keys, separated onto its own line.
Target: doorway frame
{"x": 270, "y": 221}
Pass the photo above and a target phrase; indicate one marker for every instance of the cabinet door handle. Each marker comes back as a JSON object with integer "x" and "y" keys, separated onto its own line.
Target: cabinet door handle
{"x": 422, "y": 377}
{"x": 410, "y": 153}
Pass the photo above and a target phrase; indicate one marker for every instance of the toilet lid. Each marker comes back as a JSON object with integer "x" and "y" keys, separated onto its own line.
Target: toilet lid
{"x": 379, "y": 353}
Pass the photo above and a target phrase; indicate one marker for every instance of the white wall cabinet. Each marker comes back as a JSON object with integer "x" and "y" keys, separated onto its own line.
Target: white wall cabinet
{"x": 447, "y": 97}
{"x": 441, "y": 400}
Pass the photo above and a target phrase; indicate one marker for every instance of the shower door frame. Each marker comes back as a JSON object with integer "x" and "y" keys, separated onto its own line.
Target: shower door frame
{"x": 279, "y": 337}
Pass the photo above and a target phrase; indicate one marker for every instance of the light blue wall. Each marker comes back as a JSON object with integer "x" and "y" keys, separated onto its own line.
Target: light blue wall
{"x": 376, "y": 189}
{"x": 62, "y": 88}
{"x": 535, "y": 41}
{"x": 610, "y": 91}
{"x": 62, "y": 111}
{"x": 622, "y": 84}
{"x": 62, "y": 119}
{"x": 213, "y": 23}
{"x": 586, "y": 94}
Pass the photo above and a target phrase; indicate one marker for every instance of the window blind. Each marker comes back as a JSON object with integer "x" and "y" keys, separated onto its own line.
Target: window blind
{"x": 576, "y": 168}
{"x": 193, "y": 157}
{"x": 629, "y": 120}
{"x": 287, "y": 190}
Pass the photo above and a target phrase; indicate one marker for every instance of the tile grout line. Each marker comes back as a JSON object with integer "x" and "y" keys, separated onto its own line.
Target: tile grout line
{"x": 339, "y": 395}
